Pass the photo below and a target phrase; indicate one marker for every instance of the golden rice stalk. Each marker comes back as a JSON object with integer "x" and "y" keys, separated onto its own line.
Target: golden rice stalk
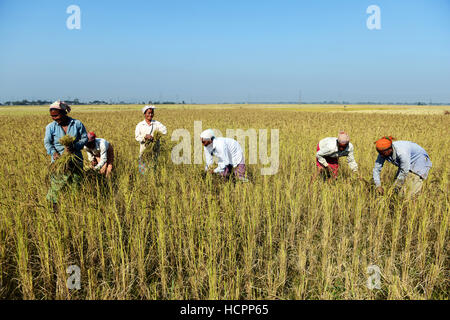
{"x": 67, "y": 140}
{"x": 153, "y": 147}
{"x": 67, "y": 162}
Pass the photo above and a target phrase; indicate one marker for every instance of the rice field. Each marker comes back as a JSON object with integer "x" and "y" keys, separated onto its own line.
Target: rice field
{"x": 178, "y": 234}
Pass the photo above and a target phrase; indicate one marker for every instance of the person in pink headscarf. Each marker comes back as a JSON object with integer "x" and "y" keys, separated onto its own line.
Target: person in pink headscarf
{"x": 328, "y": 152}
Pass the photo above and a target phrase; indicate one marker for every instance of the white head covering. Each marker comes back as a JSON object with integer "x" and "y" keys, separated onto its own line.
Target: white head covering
{"x": 207, "y": 134}
{"x": 147, "y": 107}
{"x": 343, "y": 137}
{"x": 60, "y": 105}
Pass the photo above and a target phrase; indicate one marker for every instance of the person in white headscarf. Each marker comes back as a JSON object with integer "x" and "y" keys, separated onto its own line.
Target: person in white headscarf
{"x": 63, "y": 125}
{"x": 228, "y": 152}
{"x": 329, "y": 150}
{"x": 145, "y": 130}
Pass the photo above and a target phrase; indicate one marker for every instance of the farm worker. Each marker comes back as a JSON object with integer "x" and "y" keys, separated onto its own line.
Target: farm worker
{"x": 100, "y": 154}
{"x": 145, "y": 130}
{"x": 63, "y": 124}
{"x": 411, "y": 159}
{"x": 229, "y": 154}
{"x": 328, "y": 152}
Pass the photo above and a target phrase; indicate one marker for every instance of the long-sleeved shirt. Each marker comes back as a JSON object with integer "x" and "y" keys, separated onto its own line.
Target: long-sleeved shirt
{"x": 407, "y": 156}
{"x": 143, "y": 128}
{"x": 53, "y": 132}
{"x": 329, "y": 148}
{"x": 228, "y": 151}
{"x": 99, "y": 150}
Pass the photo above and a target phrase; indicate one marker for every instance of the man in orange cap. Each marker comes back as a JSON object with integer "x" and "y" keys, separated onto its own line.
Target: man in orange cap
{"x": 411, "y": 159}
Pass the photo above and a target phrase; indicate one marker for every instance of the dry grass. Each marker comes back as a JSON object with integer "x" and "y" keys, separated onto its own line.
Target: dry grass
{"x": 178, "y": 235}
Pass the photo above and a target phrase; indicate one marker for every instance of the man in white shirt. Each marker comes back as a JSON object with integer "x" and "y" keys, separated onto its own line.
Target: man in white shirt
{"x": 228, "y": 152}
{"x": 145, "y": 130}
{"x": 328, "y": 152}
{"x": 100, "y": 154}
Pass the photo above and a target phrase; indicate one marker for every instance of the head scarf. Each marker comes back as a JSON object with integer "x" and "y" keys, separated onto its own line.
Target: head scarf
{"x": 60, "y": 105}
{"x": 91, "y": 136}
{"x": 343, "y": 138}
{"x": 207, "y": 134}
{"x": 144, "y": 109}
{"x": 384, "y": 143}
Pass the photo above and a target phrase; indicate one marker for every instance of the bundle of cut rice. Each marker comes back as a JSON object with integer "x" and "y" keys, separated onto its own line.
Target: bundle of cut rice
{"x": 68, "y": 161}
{"x": 153, "y": 147}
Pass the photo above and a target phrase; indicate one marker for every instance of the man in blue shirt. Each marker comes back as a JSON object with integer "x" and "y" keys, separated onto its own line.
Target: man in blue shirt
{"x": 411, "y": 159}
{"x": 63, "y": 125}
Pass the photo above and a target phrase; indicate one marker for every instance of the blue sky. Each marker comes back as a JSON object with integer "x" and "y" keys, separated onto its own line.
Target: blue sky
{"x": 225, "y": 51}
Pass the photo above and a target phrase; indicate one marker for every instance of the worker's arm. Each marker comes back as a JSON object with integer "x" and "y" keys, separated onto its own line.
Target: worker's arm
{"x": 79, "y": 145}
{"x": 404, "y": 159}
{"x": 224, "y": 155}
{"x": 377, "y": 170}
{"x": 321, "y": 156}
{"x": 89, "y": 154}
{"x": 208, "y": 158}
{"x": 48, "y": 141}
{"x": 103, "y": 154}
{"x": 351, "y": 160}
{"x": 139, "y": 135}
{"x": 160, "y": 127}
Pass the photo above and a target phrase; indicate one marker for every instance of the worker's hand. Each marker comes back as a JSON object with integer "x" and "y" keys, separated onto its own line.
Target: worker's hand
{"x": 56, "y": 155}
{"x": 210, "y": 171}
{"x": 380, "y": 190}
{"x": 93, "y": 163}
{"x": 70, "y": 148}
{"x": 148, "y": 137}
{"x": 330, "y": 173}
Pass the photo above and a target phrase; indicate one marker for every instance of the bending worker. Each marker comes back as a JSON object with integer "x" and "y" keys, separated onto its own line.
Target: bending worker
{"x": 100, "y": 154}
{"x": 229, "y": 154}
{"x": 329, "y": 150}
{"x": 412, "y": 161}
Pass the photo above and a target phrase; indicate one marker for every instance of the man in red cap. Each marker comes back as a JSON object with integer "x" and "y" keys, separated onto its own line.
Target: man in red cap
{"x": 411, "y": 159}
{"x": 100, "y": 153}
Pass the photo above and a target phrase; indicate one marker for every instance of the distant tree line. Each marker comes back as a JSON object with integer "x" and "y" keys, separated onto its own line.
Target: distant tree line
{"x": 47, "y": 102}
{"x": 25, "y": 102}
{"x": 346, "y": 103}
